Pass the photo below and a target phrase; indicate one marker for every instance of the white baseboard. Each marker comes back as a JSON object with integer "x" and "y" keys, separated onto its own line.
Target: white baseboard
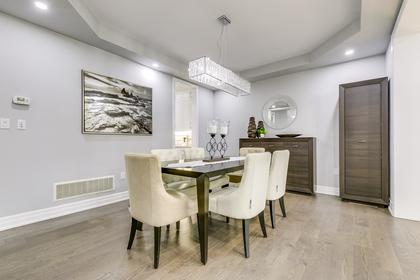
{"x": 58, "y": 211}
{"x": 327, "y": 190}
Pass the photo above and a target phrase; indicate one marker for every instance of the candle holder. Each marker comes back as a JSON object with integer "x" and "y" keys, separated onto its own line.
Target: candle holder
{"x": 222, "y": 146}
{"x": 211, "y": 146}
{"x": 212, "y": 127}
{"x": 224, "y": 131}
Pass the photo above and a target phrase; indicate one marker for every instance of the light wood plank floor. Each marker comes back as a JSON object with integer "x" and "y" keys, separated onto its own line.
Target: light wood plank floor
{"x": 321, "y": 238}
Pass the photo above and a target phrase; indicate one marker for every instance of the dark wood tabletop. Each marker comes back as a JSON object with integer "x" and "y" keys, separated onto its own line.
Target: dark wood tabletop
{"x": 211, "y": 170}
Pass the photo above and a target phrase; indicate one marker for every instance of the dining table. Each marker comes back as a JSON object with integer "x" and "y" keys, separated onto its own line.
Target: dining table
{"x": 202, "y": 171}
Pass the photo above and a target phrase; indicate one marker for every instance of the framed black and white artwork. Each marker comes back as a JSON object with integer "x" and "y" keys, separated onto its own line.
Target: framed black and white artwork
{"x": 113, "y": 106}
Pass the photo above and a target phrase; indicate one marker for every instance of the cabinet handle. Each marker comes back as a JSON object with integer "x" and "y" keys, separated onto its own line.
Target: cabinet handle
{"x": 362, "y": 141}
{"x": 250, "y": 145}
{"x": 295, "y": 146}
{"x": 270, "y": 146}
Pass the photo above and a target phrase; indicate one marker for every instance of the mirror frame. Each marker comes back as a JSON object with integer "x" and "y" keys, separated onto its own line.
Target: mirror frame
{"x": 287, "y": 121}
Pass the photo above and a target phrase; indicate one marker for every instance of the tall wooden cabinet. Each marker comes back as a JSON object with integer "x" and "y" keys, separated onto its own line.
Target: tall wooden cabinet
{"x": 301, "y": 175}
{"x": 364, "y": 141}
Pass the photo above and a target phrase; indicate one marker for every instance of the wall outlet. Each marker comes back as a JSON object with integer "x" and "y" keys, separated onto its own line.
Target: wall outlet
{"x": 336, "y": 171}
{"x": 21, "y": 124}
{"x": 122, "y": 175}
{"x": 5, "y": 123}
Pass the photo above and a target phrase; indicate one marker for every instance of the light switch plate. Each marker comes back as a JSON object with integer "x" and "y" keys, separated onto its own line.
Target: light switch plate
{"x": 21, "y": 124}
{"x": 4, "y": 123}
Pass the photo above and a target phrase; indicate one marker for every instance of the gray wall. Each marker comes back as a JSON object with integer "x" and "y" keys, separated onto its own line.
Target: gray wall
{"x": 315, "y": 93}
{"x": 46, "y": 67}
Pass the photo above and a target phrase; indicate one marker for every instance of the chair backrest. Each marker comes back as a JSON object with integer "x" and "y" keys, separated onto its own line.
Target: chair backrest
{"x": 149, "y": 201}
{"x": 166, "y": 154}
{"x": 193, "y": 153}
{"x": 252, "y": 190}
{"x": 278, "y": 174}
{"x": 244, "y": 151}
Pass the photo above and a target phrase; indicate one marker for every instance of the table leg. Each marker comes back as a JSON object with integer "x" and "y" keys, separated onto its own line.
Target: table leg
{"x": 203, "y": 214}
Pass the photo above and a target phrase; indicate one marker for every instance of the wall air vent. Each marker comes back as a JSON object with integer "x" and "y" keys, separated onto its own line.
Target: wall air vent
{"x": 72, "y": 189}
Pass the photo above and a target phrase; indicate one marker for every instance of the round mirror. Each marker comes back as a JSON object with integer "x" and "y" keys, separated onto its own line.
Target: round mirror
{"x": 279, "y": 112}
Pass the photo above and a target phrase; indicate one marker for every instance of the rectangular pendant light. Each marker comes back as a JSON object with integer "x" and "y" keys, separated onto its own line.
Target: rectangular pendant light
{"x": 206, "y": 71}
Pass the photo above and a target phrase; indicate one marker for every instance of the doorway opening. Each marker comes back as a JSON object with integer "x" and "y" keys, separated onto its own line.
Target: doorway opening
{"x": 185, "y": 125}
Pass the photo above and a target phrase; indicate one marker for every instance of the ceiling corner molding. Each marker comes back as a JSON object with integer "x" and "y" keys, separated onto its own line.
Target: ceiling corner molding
{"x": 85, "y": 13}
{"x": 299, "y": 62}
{"x": 139, "y": 52}
{"x": 337, "y": 39}
{"x": 140, "y": 49}
{"x": 408, "y": 21}
{"x": 261, "y": 72}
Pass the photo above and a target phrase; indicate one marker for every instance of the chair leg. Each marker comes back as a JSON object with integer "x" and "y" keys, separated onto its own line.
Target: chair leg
{"x": 283, "y": 210}
{"x": 273, "y": 213}
{"x": 262, "y": 223}
{"x": 157, "y": 246}
{"x": 139, "y": 226}
{"x": 134, "y": 224}
{"x": 178, "y": 225}
{"x": 245, "y": 233}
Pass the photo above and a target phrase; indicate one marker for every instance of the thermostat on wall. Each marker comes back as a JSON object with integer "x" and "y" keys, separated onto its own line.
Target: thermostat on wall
{"x": 21, "y": 100}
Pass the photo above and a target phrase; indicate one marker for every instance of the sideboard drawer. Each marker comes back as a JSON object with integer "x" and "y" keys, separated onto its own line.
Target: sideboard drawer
{"x": 251, "y": 144}
{"x": 298, "y": 148}
{"x": 272, "y": 146}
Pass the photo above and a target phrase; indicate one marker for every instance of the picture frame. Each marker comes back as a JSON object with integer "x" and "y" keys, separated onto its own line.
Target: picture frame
{"x": 114, "y": 106}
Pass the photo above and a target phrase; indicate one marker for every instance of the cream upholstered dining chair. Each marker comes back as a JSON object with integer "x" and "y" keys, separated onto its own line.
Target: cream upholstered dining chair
{"x": 173, "y": 181}
{"x": 249, "y": 199}
{"x": 185, "y": 184}
{"x": 194, "y": 153}
{"x": 277, "y": 182}
{"x": 150, "y": 203}
{"x": 235, "y": 177}
{"x": 244, "y": 151}
{"x": 199, "y": 154}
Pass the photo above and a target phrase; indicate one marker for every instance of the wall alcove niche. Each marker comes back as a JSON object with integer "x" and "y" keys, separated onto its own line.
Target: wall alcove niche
{"x": 279, "y": 112}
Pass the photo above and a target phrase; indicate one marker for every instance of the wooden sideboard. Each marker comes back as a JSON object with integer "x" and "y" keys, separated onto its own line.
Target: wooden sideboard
{"x": 301, "y": 175}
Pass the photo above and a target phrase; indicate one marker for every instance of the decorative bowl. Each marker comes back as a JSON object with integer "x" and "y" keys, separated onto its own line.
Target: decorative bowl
{"x": 288, "y": 135}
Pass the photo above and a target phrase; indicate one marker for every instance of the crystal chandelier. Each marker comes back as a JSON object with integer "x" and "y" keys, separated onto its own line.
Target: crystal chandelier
{"x": 206, "y": 71}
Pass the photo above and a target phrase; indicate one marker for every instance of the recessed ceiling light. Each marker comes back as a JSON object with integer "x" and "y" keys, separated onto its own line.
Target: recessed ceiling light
{"x": 349, "y": 52}
{"x": 155, "y": 65}
{"x": 41, "y": 5}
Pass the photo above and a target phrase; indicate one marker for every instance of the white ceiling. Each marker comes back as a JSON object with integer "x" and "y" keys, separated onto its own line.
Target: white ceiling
{"x": 266, "y": 38}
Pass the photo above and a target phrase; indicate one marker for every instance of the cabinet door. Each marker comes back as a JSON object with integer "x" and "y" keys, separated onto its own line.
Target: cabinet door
{"x": 362, "y": 113}
{"x": 272, "y": 146}
{"x": 246, "y": 144}
{"x": 298, "y": 173}
{"x": 364, "y": 148}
